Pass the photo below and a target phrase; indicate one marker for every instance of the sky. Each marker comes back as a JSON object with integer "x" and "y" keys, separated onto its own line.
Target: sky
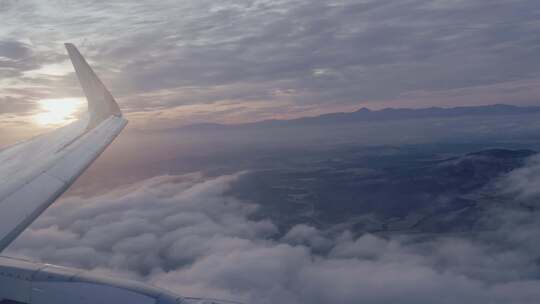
{"x": 171, "y": 63}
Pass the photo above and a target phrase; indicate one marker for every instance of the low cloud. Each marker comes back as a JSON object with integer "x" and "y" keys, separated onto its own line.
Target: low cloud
{"x": 185, "y": 233}
{"x": 524, "y": 183}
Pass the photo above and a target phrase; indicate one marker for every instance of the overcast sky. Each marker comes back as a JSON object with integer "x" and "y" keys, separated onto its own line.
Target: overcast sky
{"x": 177, "y": 62}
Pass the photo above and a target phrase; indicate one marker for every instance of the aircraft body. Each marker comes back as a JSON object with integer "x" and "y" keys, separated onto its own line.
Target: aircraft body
{"x": 33, "y": 174}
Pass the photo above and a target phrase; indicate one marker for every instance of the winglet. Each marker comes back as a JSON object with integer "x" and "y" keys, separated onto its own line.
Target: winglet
{"x": 101, "y": 104}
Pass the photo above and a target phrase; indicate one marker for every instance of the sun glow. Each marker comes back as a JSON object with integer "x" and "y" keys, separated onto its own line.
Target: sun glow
{"x": 58, "y": 111}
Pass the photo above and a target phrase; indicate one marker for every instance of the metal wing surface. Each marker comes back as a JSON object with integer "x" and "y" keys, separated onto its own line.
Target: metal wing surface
{"x": 33, "y": 174}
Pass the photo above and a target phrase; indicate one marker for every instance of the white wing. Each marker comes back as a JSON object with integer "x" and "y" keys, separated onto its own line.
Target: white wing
{"x": 35, "y": 173}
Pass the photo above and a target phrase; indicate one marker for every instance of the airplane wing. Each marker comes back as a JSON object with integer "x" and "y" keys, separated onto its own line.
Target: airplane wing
{"x": 33, "y": 174}
{"x": 190, "y": 300}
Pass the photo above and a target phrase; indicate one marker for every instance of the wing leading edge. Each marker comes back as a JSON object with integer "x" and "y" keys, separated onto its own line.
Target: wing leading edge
{"x": 35, "y": 173}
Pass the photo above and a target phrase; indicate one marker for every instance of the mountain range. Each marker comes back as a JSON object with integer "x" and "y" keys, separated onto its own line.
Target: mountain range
{"x": 388, "y": 114}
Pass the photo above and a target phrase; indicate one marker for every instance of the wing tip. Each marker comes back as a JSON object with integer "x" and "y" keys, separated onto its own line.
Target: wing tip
{"x": 101, "y": 104}
{"x": 71, "y": 48}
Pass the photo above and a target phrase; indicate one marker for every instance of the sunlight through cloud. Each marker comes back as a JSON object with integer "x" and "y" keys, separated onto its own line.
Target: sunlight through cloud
{"x": 58, "y": 111}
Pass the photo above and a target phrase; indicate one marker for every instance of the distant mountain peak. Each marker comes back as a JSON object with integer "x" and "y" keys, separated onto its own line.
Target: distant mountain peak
{"x": 363, "y": 110}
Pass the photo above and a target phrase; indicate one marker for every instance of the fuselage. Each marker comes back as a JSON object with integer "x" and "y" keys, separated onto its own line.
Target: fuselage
{"x": 28, "y": 282}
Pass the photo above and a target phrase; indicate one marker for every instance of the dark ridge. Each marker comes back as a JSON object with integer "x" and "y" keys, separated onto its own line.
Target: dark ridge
{"x": 504, "y": 153}
{"x": 367, "y": 115}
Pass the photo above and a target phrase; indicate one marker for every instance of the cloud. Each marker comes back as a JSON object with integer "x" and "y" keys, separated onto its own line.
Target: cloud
{"x": 524, "y": 182}
{"x": 15, "y": 58}
{"x": 174, "y": 213}
{"x": 11, "y": 105}
{"x": 302, "y": 234}
{"x": 244, "y": 53}
{"x": 187, "y": 234}
{"x": 14, "y": 50}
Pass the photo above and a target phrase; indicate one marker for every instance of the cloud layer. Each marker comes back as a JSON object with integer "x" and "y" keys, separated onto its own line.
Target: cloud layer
{"x": 242, "y": 60}
{"x": 186, "y": 234}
